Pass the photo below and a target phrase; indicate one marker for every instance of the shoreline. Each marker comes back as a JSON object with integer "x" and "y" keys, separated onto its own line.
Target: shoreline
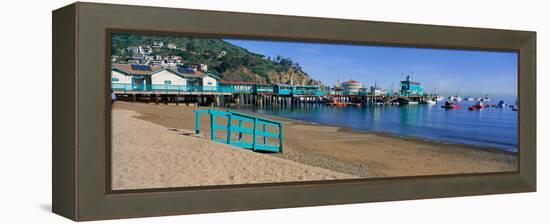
{"x": 381, "y": 133}
{"x": 355, "y": 152}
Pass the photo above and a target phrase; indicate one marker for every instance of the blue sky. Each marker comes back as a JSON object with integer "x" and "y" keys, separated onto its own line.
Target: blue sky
{"x": 470, "y": 72}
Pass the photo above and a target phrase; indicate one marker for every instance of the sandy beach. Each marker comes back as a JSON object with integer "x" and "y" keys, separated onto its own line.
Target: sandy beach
{"x": 154, "y": 146}
{"x": 147, "y": 155}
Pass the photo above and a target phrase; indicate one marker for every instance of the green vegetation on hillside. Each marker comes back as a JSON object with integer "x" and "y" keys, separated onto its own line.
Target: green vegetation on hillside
{"x": 229, "y": 61}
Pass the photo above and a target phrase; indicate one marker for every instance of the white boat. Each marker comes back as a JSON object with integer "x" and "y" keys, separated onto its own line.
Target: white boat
{"x": 428, "y": 101}
{"x": 479, "y": 104}
{"x": 469, "y": 99}
{"x": 439, "y": 98}
{"x": 501, "y": 104}
{"x": 408, "y": 103}
{"x": 455, "y": 98}
{"x": 486, "y": 99}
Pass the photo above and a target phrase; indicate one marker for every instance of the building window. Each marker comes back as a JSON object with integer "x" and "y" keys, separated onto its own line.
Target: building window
{"x": 167, "y": 82}
{"x": 114, "y": 79}
{"x": 209, "y": 83}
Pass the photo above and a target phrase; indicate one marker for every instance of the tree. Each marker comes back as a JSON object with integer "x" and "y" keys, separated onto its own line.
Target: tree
{"x": 190, "y": 47}
{"x": 297, "y": 66}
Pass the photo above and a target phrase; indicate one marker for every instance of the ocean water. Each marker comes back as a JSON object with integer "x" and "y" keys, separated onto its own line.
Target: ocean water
{"x": 489, "y": 127}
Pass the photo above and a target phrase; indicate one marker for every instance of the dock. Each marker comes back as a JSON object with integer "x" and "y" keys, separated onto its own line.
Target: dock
{"x": 225, "y": 95}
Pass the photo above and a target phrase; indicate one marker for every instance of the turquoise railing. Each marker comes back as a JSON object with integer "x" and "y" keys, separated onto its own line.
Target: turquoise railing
{"x": 237, "y": 89}
{"x": 122, "y": 86}
{"x": 264, "y": 89}
{"x": 162, "y": 88}
{"x": 259, "y": 129}
{"x": 284, "y": 91}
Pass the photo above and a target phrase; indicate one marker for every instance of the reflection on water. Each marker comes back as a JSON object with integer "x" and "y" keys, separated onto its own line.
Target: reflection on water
{"x": 490, "y": 127}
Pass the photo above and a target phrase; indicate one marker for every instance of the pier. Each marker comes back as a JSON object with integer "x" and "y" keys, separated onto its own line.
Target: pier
{"x": 166, "y": 85}
{"x": 227, "y": 95}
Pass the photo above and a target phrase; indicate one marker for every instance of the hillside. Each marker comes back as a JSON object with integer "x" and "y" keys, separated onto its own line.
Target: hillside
{"x": 226, "y": 60}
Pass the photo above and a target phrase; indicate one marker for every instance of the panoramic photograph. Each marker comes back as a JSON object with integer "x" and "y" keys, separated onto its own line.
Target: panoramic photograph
{"x": 192, "y": 111}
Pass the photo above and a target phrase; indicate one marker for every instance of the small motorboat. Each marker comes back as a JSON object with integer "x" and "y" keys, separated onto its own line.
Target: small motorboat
{"x": 480, "y": 105}
{"x": 486, "y": 99}
{"x": 450, "y": 105}
{"x": 501, "y": 104}
{"x": 455, "y": 98}
{"x": 469, "y": 99}
{"x": 428, "y": 101}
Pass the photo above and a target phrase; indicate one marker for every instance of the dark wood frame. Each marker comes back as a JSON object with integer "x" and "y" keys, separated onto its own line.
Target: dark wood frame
{"x": 81, "y": 111}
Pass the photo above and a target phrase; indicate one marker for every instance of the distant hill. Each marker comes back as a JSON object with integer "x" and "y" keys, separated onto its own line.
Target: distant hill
{"x": 226, "y": 60}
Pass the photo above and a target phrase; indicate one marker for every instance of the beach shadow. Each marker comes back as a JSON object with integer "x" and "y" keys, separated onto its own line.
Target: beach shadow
{"x": 46, "y": 207}
{"x": 187, "y": 133}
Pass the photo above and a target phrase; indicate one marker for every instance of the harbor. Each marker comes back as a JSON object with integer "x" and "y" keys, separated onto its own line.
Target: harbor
{"x": 411, "y": 111}
{"x": 490, "y": 127}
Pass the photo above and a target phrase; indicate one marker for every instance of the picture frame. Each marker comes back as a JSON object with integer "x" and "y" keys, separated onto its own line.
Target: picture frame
{"x": 81, "y": 111}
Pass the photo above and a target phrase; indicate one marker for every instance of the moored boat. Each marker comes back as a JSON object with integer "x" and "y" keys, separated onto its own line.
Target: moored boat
{"x": 428, "y": 101}
{"x": 480, "y": 105}
{"x": 501, "y": 104}
{"x": 450, "y": 105}
{"x": 486, "y": 99}
{"x": 455, "y": 98}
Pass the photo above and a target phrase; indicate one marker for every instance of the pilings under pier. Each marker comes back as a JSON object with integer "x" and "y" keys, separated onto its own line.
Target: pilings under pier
{"x": 226, "y": 100}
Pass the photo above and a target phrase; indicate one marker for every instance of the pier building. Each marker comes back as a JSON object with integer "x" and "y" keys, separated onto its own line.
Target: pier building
{"x": 411, "y": 88}
{"x": 352, "y": 87}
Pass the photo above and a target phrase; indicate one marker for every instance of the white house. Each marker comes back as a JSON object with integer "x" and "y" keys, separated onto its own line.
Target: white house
{"x": 146, "y": 49}
{"x": 151, "y": 78}
{"x": 209, "y": 81}
{"x": 120, "y": 80}
{"x": 172, "y": 46}
{"x": 133, "y": 50}
{"x": 132, "y": 77}
{"x": 167, "y": 76}
{"x": 158, "y": 44}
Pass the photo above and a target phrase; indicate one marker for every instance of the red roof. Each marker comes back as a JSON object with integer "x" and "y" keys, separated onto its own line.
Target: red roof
{"x": 352, "y": 81}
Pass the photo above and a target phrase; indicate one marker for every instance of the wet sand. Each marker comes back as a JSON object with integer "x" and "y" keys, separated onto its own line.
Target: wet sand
{"x": 361, "y": 154}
